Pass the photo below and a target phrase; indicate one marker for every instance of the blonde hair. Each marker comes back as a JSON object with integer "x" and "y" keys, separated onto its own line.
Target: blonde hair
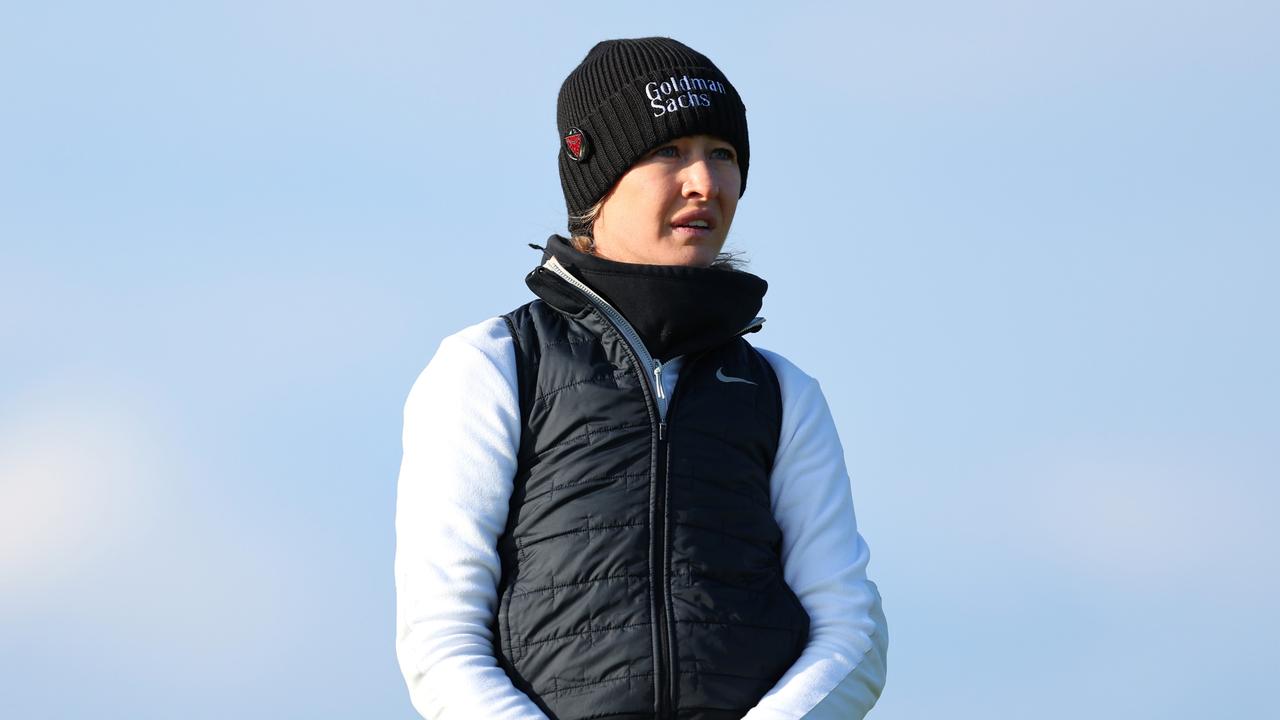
{"x": 581, "y": 228}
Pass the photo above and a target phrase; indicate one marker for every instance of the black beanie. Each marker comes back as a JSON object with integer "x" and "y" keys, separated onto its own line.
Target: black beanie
{"x": 629, "y": 96}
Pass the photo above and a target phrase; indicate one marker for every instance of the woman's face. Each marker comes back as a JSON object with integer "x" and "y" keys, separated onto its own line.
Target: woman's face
{"x": 674, "y": 206}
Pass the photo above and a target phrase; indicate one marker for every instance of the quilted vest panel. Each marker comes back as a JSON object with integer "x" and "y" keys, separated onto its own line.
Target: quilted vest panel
{"x": 641, "y": 577}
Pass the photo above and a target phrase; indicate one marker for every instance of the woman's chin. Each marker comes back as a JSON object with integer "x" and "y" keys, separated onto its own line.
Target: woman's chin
{"x": 694, "y": 252}
{"x": 690, "y": 257}
{"x": 698, "y": 251}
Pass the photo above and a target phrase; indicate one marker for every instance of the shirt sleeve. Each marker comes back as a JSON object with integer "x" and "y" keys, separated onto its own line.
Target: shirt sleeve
{"x": 461, "y": 436}
{"x": 842, "y": 670}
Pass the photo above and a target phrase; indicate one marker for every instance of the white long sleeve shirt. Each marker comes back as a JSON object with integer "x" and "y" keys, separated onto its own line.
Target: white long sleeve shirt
{"x": 461, "y": 436}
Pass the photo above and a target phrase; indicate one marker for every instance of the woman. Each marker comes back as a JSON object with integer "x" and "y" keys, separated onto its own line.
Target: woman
{"x": 579, "y": 535}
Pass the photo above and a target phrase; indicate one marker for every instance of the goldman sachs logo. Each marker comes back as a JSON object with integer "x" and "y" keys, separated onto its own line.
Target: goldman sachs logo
{"x": 672, "y": 94}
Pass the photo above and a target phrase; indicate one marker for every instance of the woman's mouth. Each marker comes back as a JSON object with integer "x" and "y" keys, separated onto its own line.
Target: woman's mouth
{"x": 693, "y": 228}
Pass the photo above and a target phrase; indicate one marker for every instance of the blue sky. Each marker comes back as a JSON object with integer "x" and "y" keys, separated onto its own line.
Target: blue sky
{"x": 1029, "y": 249}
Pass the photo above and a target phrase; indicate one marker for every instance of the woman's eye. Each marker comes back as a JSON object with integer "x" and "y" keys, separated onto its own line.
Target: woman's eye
{"x": 667, "y": 151}
{"x": 722, "y": 154}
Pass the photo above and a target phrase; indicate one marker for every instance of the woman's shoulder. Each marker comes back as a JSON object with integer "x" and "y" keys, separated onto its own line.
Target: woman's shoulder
{"x": 490, "y": 336}
{"x": 480, "y": 354}
{"x": 466, "y": 393}
{"x": 791, "y": 378}
{"x": 807, "y": 422}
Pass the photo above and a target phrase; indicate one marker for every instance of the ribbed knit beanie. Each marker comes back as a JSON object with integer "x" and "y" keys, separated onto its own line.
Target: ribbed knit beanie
{"x": 629, "y": 96}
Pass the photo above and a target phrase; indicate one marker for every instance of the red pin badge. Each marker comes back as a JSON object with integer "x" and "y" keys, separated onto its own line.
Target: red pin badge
{"x": 575, "y": 143}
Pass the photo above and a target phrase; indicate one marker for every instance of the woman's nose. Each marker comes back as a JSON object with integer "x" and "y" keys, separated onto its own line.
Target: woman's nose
{"x": 700, "y": 181}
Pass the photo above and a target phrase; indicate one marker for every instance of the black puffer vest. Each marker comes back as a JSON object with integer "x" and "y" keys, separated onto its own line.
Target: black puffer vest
{"x": 641, "y": 567}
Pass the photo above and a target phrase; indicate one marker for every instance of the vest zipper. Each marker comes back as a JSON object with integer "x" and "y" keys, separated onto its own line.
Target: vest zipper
{"x": 663, "y": 668}
{"x": 666, "y": 708}
{"x": 652, "y": 382}
{"x": 663, "y": 682}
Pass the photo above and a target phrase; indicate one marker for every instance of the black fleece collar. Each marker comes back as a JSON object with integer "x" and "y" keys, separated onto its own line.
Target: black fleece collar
{"x": 676, "y": 309}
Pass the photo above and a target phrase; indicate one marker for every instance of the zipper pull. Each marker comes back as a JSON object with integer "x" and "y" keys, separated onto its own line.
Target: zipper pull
{"x": 657, "y": 378}
{"x": 662, "y": 430}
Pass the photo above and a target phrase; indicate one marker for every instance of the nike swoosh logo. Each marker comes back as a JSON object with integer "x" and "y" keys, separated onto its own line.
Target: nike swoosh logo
{"x": 729, "y": 378}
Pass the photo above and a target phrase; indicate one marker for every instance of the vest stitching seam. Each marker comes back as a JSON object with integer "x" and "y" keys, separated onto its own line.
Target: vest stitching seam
{"x": 579, "y": 582}
{"x": 583, "y": 632}
{"x": 611, "y": 374}
{"x": 575, "y": 483}
{"x": 791, "y": 631}
{"x": 585, "y": 437}
{"x": 628, "y": 713}
{"x": 744, "y": 677}
{"x": 553, "y": 343}
{"x": 621, "y": 426}
{"x": 724, "y": 583}
{"x": 581, "y": 530}
{"x": 560, "y": 690}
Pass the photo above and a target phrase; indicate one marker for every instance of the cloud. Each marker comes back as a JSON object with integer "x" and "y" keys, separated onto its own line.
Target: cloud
{"x": 121, "y": 555}
{"x": 1147, "y": 517}
{"x": 74, "y": 467}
